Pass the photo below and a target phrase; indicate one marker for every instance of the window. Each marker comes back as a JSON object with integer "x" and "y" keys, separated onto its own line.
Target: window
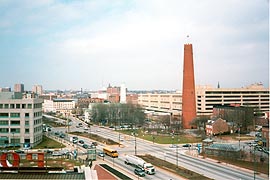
{"x": 23, "y": 106}
{"x": 12, "y": 106}
{"x": 26, "y": 131}
{"x": 3, "y": 123}
{"x": 18, "y": 106}
{"x": 3, "y": 115}
{"x": 26, "y": 123}
{"x": 1, "y": 106}
{"x": 29, "y": 106}
{"x": 15, "y": 130}
{"x": 15, "y": 123}
{"x": 6, "y": 106}
{"x": 27, "y": 115}
{"x": 3, "y": 130}
{"x": 14, "y": 115}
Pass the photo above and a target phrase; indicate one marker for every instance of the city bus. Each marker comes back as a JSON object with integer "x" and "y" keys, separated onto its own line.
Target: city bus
{"x": 110, "y": 152}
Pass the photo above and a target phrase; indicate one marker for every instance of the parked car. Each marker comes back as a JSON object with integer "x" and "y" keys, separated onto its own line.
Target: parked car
{"x": 74, "y": 138}
{"x": 187, "y": 145}
{"x": 94, "y": 143}
{"x": 48, "y": 151}
{"x": 139, "y": 172}
{"x": 85, "y": 146}
{"x": 81, "y": 141}
{"x": 19, "y": 151}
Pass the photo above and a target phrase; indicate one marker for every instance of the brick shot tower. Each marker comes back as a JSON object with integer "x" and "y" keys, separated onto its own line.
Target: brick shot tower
{"x": 188, "y": 89}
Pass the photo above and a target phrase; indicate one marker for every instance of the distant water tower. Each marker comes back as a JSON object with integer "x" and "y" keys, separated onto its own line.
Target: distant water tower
{"x": 123, "y": 94}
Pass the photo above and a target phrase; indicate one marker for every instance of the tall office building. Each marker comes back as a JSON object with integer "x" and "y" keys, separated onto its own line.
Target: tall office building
{"x": 19, "y": 88}
{"x": 188, "y": 89}
{"x": 37, "y": 89}
{"x": 20, "y": 119}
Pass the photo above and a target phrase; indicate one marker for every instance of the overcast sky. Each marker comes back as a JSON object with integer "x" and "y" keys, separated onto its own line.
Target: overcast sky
{"x": 64, "y": 44}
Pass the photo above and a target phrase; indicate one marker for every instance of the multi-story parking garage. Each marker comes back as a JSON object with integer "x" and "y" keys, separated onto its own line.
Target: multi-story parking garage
{"x": 207, "y": 97}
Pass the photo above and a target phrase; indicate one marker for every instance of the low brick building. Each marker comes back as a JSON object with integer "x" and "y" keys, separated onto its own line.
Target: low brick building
{"x": 214, "y": 127}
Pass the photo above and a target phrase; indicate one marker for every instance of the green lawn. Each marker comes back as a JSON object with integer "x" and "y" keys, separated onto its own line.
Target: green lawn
{"x": 49, "y": 143}
{"x": 164, "y": 138}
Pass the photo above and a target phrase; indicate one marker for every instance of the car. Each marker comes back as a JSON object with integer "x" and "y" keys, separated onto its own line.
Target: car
{"x": 174, "y": 146}
{"x": 62, "y": 136}
{"x": 57, "y": 153}
{"x": 85, "y": 146}
{"x": 139, "y": 172}
{"x": 94, "y": 143}
{"x": 48, "y": 151}
{"x": 186, "y": 145}
{"x": 81, "y": 141}
{"x": 19, "y": 151}
{"x": 101, "y": 154}
{"x": 86, "y": 128}
{"x": 75, "y": 141}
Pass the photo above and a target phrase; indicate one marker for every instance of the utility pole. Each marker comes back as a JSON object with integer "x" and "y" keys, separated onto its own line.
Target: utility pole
{"x": 254, "y": 163}
{"x": 135, "y": 145}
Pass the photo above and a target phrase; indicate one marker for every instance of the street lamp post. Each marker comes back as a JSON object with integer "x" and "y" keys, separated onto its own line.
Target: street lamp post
{"x": 172, "y": 140}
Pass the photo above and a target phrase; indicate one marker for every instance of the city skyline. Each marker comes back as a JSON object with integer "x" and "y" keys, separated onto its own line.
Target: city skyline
{"x": 89, "y": 44}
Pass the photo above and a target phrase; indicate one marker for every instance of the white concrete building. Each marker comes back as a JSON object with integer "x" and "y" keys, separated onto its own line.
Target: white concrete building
{"x": 64, "y": 106}
{"x": 20, "y": 119}
{"x": 48, "y": 106}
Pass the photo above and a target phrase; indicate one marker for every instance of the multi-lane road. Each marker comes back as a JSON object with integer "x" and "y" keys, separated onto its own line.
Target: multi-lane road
{"x": 130, "y": 145}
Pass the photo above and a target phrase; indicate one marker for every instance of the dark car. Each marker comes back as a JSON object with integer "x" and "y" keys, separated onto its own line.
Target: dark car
{"x": 139, "y": 172}
{"x": 81, "y": 141}
{"x": 19, "y": 151}
{"x": 186, "y": 145}
{"x": 85, "y": 146}
{"x": 94, "y": 143}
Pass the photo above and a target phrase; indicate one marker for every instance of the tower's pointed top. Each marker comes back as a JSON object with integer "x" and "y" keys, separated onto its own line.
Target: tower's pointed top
{"x": 218, "y": 86}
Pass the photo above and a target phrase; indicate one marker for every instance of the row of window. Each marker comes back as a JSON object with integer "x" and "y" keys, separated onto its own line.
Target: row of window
{"x": 20, "y": 106}
{"x": 12, "y": 123}
{"x": 17, "y": 130}
{"x": 37, "y": 129}
{"x": 37, "y": 121}
{"x": 11, "y": 130}
{"x": 37, "y": 114}
{"x": 18, "y": 115}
